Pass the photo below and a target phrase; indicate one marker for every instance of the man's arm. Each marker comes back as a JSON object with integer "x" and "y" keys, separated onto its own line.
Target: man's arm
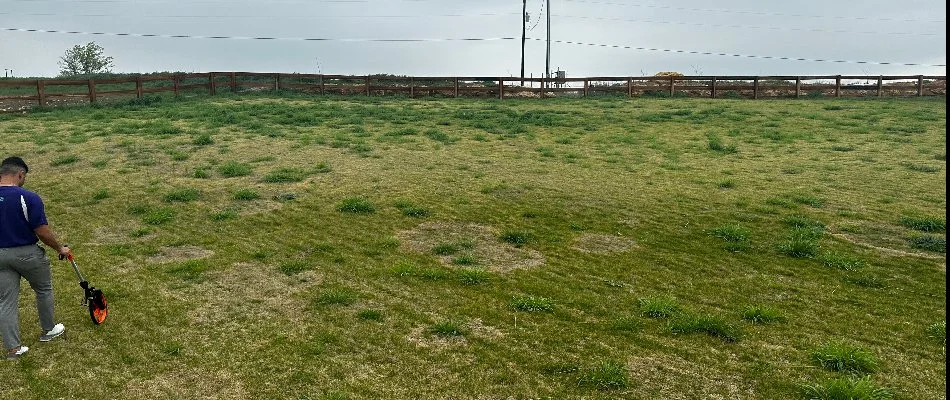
{"x": 46, "y": 235}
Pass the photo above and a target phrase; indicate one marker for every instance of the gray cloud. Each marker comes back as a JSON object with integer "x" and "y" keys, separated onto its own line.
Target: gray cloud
{"x": 870, "y": 30}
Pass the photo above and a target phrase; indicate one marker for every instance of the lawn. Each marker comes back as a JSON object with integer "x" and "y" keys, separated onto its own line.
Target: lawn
{"x": 289, "y": 247}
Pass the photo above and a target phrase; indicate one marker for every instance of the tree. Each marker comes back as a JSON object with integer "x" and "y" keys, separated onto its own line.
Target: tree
{"x": 84, "y": 59}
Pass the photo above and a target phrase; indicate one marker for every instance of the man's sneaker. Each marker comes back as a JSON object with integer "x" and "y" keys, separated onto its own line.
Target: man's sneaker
{"x": 53, "y": 333}
{"x": 15, "y": 353}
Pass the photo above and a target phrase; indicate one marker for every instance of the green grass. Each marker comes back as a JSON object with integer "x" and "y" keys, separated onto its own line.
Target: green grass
{"x": 182, "y": 195}
{"x": 261, "y": 278}
{"x": 532, "y": 304}
{"x": 607, "y": 375}
{"x": 658, "y": 307}
{"x": 762, "y": 315}
{"x": 841, "y": 357}
{"x": 924, "y": 224}
{"x": 233, "y": 169}
{"x": 934, "y": 243}
{"x": 846, "y": 388}
{"x": 448, "y": 329}
{"x": 356, "y": 205}
{"x": 938, "y": 332}
{"x": 711, "y": 325}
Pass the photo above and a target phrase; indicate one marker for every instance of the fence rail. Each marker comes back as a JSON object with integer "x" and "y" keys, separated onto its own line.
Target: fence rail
{"x": 21, "y": 94}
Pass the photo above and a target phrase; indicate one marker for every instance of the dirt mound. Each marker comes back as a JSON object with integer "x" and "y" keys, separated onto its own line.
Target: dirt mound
{"x": 595, "y": 243}
{"x": 181, "y": 253}
{"x": 461, "y": 244}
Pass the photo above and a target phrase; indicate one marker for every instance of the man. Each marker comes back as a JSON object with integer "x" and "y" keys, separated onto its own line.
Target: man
{"x": 22, "y": 224}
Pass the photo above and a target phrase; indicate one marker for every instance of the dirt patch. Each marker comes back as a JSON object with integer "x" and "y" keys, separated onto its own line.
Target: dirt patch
{"x": 595, "y": 243}
{"x": 250, "y": 292}
{"x": 466, "y": 244}
{"x": 421, "y": 337}
{"x": 189, "y": 385}
{"x": 668, "y": 375}
{"x": 483, "y": 331}
{"x": 181, "y": 253}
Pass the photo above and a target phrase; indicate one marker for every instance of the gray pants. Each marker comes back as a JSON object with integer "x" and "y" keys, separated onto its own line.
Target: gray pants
{"x": 29, "y": 262}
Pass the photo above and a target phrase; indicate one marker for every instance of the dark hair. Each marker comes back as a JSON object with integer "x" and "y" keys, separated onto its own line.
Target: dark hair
{"x": 12, "y": 164}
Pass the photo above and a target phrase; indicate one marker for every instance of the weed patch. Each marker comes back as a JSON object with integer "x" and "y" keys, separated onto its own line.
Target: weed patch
{"x": 840, "y": 357}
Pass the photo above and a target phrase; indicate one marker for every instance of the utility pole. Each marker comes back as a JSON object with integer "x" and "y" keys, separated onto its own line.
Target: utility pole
{"x": 547, "y": 64}
{"x": 524, "y": 33}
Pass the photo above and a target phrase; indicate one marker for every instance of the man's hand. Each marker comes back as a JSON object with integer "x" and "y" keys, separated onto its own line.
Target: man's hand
{"x": 63, "y": 252}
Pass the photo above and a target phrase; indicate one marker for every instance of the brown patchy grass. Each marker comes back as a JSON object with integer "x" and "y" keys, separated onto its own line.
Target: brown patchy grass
{"x": 596, "y": 243}
{"x": 486, "y": 248}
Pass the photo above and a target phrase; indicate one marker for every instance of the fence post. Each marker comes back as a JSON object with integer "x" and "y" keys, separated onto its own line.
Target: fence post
{"x": 501, "y": 89}
{"x": 211, "y": 87}
{"x": 629, "y": 87}
{"x": 323, "y": 86}
{"x": 798, "y": 87}
{"x": 277, "y": 82}
{"x": 233, "y": 83}
{"x": 456, "y": 86}
{"x": 755, "y": 88}
{"x": 838, "y": 86}
{"x": 714, "y": 87}
{"x": 672, "y": 85}
{"x": 586, "y": 87}
{"x": 175, "y": 80}
{"x": 41, "y": 92}
{"x": 412, "y": 86}
{"x": 920, "y": 85}
{"x": 543, "y": 86}
{"x": 880, "y": 85}
{"x": 138, "y": 86}
{"x": 92, "y": 91}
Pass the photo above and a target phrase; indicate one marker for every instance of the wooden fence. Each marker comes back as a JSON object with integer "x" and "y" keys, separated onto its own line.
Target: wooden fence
{"x": 19, "y": 94}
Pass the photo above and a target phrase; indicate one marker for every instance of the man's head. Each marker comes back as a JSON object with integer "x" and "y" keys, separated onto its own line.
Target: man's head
{"x": 13, "y": 170}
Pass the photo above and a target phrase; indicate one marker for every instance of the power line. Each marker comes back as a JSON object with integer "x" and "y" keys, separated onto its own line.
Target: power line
{"x": 774, "y": 14}
{"x": 258, "y": 16}
{"x": 709, "y": 53}
{"x": 256, "y": 38}
{"x": 745, "y": 26}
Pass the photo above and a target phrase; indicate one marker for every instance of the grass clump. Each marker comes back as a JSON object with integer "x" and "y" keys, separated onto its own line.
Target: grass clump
{"x": 938, "y": 331}
{"x": 924, "y": 224}
{"x": 731, "y": 233}
{"x": 336, "y": 297}
{"x": 658, "y": 307}
{"x": 294, "y": 267}
{"x": 607, "y": 375}
{"x": 356, "y": 205}
{"x": 840, "y": 261}
{"x": 465, "y": 260}
{"x": 64, "y": 160}
{"x": 158, "y": 216}
{"x": 841, "y": 357}
{"x": 762, "y": 315}
{"x": 473, "y": 277}
{"x": 410, "y": 210}
{"x": 516, "y": 238}
{"x": 182, "y": 195}
{"x": 100, "y": 194}
{"x": 715, "y": 143}
{"x": 448, "y": 329}
{"x": 203, "y": 139}
{"x": 801, "y": 243}
{"x": 709, "y": 324}
{"x": 532, "y": 304}
{"x": 370, "y": 315}
{"x": 285, "y": 175}
{"x": 934, "y": 243}
{"x": 246, "y": 195}
{"x": 847, "y": 388}
{"x": 233, "y": 169}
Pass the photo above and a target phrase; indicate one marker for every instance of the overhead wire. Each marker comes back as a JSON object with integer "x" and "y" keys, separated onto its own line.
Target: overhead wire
{"x": 256, "y": 37}
{"x": 763, "y": 13}
{"x": 711, "y": 53}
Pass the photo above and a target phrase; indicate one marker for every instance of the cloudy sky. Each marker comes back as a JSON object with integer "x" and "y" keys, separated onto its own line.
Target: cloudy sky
{"x": 874, "y": 31}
